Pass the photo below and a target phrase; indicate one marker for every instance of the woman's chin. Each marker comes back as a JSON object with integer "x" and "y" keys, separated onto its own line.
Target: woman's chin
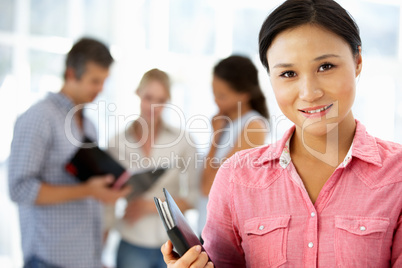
{"x": 318, "y": 128}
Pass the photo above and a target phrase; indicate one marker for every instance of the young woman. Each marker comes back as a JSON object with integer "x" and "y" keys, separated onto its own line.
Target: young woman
{"x": 241, "y": 122}
{"x": 327, "y": 194}
{"x": 148, "y": 143}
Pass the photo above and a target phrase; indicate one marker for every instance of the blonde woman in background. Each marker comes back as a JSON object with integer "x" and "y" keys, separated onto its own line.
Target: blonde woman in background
{"x": 149, "y": 140}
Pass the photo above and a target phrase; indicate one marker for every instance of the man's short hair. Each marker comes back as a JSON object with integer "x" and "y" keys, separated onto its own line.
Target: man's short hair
{"x": 88, "y": 50}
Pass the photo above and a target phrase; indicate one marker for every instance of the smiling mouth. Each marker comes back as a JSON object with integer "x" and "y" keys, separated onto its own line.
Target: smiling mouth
{"x": 317, "y": 110}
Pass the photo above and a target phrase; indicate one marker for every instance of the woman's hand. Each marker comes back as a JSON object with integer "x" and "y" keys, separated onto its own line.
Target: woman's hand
{"x": 194, "y": 257}
{"x": 219, "y": 121}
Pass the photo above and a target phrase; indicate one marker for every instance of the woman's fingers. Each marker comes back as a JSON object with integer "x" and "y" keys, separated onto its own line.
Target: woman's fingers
{"x": 168, "y": 255}
{"x": 193, "y": 257}
{"x": 190, "y": 257}
{"x": 210, "y": 265}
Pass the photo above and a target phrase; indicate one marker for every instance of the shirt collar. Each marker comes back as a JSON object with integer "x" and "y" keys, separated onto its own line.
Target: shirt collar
{"x": 364, "y": 147}
{"x": 284, "y": 159}
{"x": 61, "y": 100}
{"x": 278, "y": 149}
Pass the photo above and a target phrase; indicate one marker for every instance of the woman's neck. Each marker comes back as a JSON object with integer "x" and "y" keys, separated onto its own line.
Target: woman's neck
{"x": 330, "y": 148}
{"x": 242, "y": 110}
{"x": 143, "y": 127}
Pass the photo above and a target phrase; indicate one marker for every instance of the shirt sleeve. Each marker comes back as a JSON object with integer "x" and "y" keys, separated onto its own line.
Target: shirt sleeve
{"x": 222, "y": 241}
{"x": 396, "y": 258}
{"x": 28, "y": 149}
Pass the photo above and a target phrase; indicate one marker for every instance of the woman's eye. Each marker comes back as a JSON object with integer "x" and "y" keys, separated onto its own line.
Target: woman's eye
{"x": 288, "y": 74}
{"x": 325, "y": 67}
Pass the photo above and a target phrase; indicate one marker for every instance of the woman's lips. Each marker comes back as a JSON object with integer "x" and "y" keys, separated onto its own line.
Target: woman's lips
{"x": 318, "y": 111}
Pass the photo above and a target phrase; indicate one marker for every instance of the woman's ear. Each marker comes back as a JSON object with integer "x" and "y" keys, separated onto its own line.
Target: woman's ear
{"x": 359, "y": 62}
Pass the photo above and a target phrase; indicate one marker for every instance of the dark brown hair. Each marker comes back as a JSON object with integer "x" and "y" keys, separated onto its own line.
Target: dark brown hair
{"x": 242, "y": 75}
{"x": 293, "y": 13}
{"x": 88, "y": 50}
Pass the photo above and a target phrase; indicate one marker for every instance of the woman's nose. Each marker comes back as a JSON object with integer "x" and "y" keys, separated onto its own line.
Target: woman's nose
{"x": 309, "y": 89}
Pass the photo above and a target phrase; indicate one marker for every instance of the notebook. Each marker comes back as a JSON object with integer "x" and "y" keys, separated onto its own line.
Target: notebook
{"x": 90, "y": 161}
{"x": 176, "y": 225}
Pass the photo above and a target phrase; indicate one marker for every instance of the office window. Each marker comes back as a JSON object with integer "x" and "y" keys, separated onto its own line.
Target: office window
{"x": 145, "y": 20}
{"x": 98, "y": 18}
{"x": 246, "y": 26}
{"x": 5, "y": 62}
{"x": 379, "y": 83}
{"x": 46, "y": 71}
{"x": 7, "y": 10}
{"x": 191, "y": 27}
{"x": 49, "y": 17}
{"x": 379, "y": 27}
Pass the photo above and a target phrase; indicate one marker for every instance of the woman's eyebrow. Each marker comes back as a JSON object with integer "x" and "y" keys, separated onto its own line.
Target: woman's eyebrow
{"x": 283, "y": 65}
{"x": 322, "y": 57}
{"x": 325, "y": 56}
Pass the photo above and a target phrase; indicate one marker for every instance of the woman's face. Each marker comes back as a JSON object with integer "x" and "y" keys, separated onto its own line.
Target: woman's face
{"x": 226, "y": 98}
{"x": 313, "y": 74}
{"x": 153, "y": 98}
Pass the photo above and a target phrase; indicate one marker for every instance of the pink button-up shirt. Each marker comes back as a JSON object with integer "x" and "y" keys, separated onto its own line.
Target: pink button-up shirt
{"x": 260, "y": 214}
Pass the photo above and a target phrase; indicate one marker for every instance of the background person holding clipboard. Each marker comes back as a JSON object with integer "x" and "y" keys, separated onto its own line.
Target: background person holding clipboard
{"x": 151, "y": 140}
{"x": 60, "y": 217}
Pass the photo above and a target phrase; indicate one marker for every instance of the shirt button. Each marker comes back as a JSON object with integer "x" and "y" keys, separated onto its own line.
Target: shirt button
{"x": 313, "y": 214}
{"x": 261, "y": 227}
{"x": 362, "y": 228}
{"x": 310, "y": 245}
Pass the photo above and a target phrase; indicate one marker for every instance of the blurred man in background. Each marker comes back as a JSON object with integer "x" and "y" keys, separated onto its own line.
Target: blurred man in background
{"x": 60, "y": 218}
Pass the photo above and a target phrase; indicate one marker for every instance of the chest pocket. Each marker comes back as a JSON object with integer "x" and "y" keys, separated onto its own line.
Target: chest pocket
{"x": 359, "y": 240}
{"x": 265, "y": 241}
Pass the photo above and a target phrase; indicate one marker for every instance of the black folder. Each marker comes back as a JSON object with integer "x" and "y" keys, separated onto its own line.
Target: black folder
{"x": 177, "y": 228}
{"x": 90, "y": 160}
